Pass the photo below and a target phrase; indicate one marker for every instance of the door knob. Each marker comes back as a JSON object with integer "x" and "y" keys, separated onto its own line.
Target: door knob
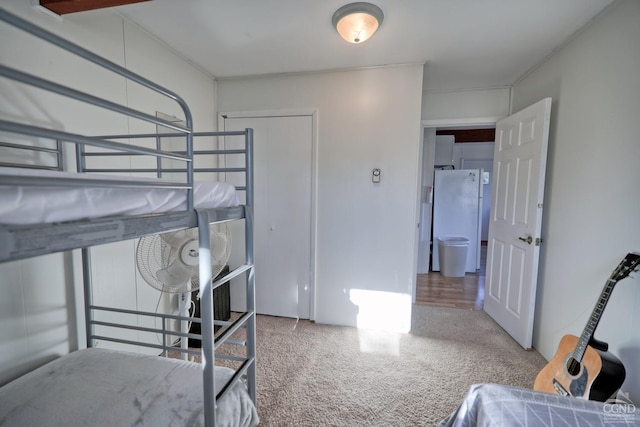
{"x": 527, "y": 239}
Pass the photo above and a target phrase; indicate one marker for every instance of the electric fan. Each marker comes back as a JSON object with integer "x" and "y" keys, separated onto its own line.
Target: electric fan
{"x": 169, "y": 261}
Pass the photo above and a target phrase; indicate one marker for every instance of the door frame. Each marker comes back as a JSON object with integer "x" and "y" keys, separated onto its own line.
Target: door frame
{"x": 313, "y": 113}
{"x": 428, "y": 168}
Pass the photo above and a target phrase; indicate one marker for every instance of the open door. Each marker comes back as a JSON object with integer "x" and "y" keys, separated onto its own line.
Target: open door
{"x": 519, "y": 165}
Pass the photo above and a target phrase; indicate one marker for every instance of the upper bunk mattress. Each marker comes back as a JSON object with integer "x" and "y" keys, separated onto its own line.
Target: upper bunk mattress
{"x": 99, "y": 387}
{"x": 34, "y": 205}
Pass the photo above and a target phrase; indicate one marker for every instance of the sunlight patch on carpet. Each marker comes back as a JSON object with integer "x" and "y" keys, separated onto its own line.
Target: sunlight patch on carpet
{"x": 379, "y": 342}
{"x": 382, "y": 311}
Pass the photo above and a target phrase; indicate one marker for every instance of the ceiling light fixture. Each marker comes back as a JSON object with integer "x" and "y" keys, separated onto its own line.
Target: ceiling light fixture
{"x": 356, "y": 22}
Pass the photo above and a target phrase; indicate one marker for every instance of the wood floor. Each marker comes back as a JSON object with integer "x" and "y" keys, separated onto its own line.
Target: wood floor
{"x": 458, "y": 292}
{"x": 466, "y": 292}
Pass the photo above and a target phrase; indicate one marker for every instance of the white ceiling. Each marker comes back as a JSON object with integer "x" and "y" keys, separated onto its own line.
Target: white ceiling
{"x": 464, "y": 43}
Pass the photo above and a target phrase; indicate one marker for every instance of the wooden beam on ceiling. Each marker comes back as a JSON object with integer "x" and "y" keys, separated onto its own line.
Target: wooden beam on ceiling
{"x": 470, "y": 135}
{"x": 63, "y": 7}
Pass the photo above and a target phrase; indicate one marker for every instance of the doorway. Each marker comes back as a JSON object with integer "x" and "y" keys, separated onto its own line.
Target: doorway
{"x": 513, "y": 249}
{"x": 456, "y": 147}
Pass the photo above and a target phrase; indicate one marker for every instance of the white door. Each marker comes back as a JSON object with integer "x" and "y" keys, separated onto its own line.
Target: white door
{"x": 282, "y": 212}
{"x": 519, "y": 165}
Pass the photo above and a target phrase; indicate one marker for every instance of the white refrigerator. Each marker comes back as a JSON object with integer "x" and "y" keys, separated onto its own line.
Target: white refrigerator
{"x": 457, "y": 211}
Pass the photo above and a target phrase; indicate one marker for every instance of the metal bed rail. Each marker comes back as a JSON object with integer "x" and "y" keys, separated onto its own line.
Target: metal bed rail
{"x": 219, "y": 155}
{"x": 243, "y": 362}
{"x": 82, "y": 140}
{"x": 247, "y": 320}
{"x": 56, "y": 152}
{"x": 165, "y": 331}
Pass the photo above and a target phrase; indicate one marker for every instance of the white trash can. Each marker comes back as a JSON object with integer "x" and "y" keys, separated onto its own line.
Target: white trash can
{"x": 452, "y": 254}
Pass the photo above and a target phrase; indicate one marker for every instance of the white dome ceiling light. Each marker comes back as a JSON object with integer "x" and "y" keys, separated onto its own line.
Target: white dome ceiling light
{"x": 356, "y": 22}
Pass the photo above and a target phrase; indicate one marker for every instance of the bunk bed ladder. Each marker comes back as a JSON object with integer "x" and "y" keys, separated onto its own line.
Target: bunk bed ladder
{"x": 88, "y": 296}
{"x": 251, "y": 291}
{"x": 206, "y": 300}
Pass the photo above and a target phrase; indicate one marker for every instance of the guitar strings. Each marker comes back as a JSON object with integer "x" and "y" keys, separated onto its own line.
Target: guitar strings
{"x": 588, "y": 308}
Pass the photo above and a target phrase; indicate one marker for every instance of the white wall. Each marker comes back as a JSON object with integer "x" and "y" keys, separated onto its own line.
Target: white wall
{"x": 591, "y": 198}
{"x": 465, "y": 104}
{"x": 366, "y": 233}
{"x": 37, "y": 324}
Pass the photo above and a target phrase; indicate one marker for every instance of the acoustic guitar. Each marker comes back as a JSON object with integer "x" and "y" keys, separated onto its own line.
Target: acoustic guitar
{"x": 582, "y": 367}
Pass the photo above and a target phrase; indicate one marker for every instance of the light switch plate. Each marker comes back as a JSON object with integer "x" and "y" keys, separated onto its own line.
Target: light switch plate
{"x": 375, "y": 175}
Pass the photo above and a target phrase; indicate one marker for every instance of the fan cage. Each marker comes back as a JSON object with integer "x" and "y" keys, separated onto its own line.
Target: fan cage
{"x": 160, "y": 253}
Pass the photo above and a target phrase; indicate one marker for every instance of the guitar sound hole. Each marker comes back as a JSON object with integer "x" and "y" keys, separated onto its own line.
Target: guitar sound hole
{"x": 573, "y": 366}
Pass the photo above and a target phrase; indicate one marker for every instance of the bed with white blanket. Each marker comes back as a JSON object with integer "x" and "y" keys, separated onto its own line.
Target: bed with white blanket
{"x": 99, "y": 387}
{"x": 41, "y": 204}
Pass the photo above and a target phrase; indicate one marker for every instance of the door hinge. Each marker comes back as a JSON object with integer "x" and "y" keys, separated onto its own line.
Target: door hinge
{"x": 539, "y": 241}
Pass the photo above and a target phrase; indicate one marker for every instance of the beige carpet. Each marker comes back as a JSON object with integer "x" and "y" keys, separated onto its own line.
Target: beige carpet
{"x": 319, "y": 375}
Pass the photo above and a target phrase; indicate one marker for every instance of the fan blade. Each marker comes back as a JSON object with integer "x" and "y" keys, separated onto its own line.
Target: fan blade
{"x": 218, "y": 246}
{"x": 175, "y": 274}
{"x": 175, "y": 239}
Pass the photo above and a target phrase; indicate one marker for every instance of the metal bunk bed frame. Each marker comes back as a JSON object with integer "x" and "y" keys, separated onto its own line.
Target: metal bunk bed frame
{"x": 26, "y": 241}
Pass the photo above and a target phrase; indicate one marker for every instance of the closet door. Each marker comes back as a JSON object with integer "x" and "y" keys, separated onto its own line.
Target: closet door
{"x": 282, "y": 212}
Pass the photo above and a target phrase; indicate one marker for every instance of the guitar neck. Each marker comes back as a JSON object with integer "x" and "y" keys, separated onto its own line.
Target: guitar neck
{"x": 629, "y": 264}
{"x": 590, "y": 328}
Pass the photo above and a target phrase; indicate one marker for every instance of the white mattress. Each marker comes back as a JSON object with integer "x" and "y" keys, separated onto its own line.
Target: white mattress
{"x": 32, "y": 205}
{"x": 98, "y": 387}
